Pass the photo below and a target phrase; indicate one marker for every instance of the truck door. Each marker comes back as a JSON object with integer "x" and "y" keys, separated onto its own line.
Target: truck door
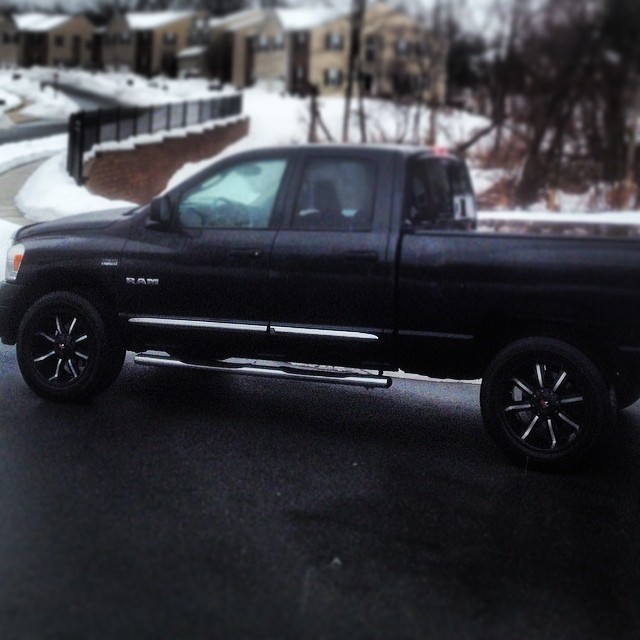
{"x": 202, "y": 284}
{"x": 329, "y": 281}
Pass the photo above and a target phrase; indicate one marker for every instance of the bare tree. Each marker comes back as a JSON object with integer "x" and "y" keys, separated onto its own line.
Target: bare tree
{"x": 358, "y": 8}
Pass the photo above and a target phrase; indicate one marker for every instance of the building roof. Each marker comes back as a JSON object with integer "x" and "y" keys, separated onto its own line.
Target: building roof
{"x": 238, "y": 20}
{"x": 307, "y": 18}
{"x": 138, "y": 21}
{"x": 192, "y": 52}
{"x": 40, "y": 22}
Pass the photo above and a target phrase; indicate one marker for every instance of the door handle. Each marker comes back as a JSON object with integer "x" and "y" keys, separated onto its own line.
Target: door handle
{"x": 361, "y": 256}
{"x": 252, "y": 254}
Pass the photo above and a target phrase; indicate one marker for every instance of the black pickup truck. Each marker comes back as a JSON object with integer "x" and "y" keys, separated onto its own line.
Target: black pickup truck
{"x": 364, "y": 260}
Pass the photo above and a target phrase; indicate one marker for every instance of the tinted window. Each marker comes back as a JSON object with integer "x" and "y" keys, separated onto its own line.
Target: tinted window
{"x": 336, "y": 194}
{"x": 440, "y": 194}
{"x": 241, "y": 196}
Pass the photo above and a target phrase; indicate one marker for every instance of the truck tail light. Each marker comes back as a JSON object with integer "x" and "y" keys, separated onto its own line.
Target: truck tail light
{"x": 14, "y": 260}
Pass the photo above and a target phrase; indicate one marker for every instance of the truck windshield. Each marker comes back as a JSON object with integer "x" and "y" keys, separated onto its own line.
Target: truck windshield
{"x": 440, "y": 195}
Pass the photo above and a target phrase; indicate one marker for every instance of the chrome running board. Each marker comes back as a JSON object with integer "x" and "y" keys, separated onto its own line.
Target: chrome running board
{"x": 281, "y": 372}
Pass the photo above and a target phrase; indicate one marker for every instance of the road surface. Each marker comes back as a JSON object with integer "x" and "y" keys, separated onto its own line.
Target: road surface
{"x": 192, "y": 506}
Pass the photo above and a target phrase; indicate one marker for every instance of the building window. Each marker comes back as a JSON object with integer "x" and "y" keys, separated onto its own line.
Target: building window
{"x": 278, "y": 42}
{"x": 423, "y": 49}
{"x": 301, "y": 39}
{"x": 334, "y": 42}
{"x": 372, "y": 46}
{"x": 6, "y": 38}
{"x": 403, "y": 47}
{"x": 59, "y": 41}
{"x": 300, "y": 73}
{"x": 169, "y": 38}
{"x": 263, "y": 43}
{"x": 333, "y": 77}
{"x": 125, "y": 37}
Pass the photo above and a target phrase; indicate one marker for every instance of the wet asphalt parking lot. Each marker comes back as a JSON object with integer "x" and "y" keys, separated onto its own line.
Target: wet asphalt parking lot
{"x": 194, "y": 506}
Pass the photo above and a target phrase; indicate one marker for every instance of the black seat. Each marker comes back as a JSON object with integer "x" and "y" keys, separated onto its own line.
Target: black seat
{"x": 327, "y": 202}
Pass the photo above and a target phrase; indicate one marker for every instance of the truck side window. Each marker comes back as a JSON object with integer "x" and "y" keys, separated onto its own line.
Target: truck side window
{"x": 336, "y": 194}
{"x": 241, "y": 196}
{"x": 439, "y": 195}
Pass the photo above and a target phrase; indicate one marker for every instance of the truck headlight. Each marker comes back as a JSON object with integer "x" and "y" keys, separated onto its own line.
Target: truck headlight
{"x": 14, "y": 260}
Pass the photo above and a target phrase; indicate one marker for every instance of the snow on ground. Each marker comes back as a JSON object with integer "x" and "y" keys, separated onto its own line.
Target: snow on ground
{"x": 23, "y": 87}
{"x": 130, "y": 88}
{"x": 14, "y": 154}
{"x": 63, "y": 196}
{"x": 275, "y": 119}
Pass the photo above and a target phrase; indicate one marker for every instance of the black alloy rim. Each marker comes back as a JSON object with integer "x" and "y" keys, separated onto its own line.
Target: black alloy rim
{"x": 62, "y": 348}
{"x": 544, "y": 405}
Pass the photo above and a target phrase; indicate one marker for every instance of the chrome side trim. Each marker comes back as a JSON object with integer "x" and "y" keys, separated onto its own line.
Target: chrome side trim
{"x": 288, "y": 373}
{"x": 253, "y": 328}
{"x": 323, "y": 333}
{"x": 199, "y": 324}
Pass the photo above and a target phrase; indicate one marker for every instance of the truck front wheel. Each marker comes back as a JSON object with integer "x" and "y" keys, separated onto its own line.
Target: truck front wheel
{"x": 66, "y": 351}
{"x": 545, "y": 402}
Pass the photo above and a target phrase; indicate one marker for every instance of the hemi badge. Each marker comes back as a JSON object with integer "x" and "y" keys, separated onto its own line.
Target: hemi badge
{"x": 110, "y": 262}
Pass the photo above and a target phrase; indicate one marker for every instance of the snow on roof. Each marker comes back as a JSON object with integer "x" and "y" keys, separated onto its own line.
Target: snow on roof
{"x": 39, "y": 21}
{"x": 308, "y": 18}
{"x": 155, "y": 19}
{"x": 249, "y": 21}
{"x": 234, "y": 20}
{"x": 191, "y": 52}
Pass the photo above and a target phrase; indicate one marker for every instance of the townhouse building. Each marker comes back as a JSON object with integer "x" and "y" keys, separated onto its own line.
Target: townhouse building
{"x": 150, "y": 43}
{"x": 300, "y": 49}
{"x": 9, "y": 40}
{"x": 51, "y": 40}
{"x": 233, "y": 46}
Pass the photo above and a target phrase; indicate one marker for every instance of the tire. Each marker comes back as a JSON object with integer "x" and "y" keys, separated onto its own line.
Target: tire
{"x": 66, "y": 351}
{"x": 628, "y": 390}
{"x": 545, "y": 403}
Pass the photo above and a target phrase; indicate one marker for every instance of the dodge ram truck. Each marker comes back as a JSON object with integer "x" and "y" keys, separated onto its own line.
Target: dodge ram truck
{"x": 363, "y": 259}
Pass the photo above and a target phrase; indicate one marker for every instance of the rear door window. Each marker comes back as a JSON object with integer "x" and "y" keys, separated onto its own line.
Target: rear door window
{"x": 440, "y": 195}
{"x": 336, "y": 194}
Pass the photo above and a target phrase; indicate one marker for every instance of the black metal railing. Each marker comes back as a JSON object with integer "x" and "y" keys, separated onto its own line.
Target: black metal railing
{"x": 89, "y": 128}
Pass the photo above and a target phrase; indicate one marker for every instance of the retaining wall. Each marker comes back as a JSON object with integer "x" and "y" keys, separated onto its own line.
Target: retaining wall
{"x": 139, "y": 172}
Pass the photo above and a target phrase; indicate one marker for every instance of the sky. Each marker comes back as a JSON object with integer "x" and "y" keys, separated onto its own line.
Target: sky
{"x": 475, "y": 16}
{"x": 79, "y": 5}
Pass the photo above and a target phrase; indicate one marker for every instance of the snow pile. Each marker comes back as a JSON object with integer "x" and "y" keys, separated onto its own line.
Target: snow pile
{"x": 275, "y": 120}
{"x": 63, "y": 196}
{"x": 14, "y": 154}
{"x": 129, "y": 88}
{"x": 155, "y": 19}
{"x": 42, "y": 101}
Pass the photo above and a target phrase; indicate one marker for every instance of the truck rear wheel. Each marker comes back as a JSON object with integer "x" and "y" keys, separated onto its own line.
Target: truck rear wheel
{"x": 546, "y": 403}
{"x": 65, "y": 351}
{"x": 628, "y": 389}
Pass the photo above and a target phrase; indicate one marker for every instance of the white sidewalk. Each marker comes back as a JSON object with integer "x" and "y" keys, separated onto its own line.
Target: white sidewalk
{"x": 10, "y": 184}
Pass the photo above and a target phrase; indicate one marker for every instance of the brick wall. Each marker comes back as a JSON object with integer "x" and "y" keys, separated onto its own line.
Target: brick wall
{"x": 138, "y": 174}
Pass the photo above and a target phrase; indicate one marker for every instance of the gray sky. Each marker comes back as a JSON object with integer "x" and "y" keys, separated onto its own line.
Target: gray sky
{"x": 476, "y": 15}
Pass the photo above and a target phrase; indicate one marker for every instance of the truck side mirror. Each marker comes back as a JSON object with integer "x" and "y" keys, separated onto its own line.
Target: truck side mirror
{"x": 160, "y": 212}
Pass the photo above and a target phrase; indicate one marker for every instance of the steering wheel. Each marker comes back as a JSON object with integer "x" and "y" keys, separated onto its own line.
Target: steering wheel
{"x": 235, "y": 211}
{"x": 221, "y": 201}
